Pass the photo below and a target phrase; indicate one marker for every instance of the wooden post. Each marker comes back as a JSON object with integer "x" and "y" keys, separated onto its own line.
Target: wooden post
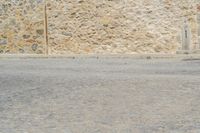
{"x": 46, "y": 28}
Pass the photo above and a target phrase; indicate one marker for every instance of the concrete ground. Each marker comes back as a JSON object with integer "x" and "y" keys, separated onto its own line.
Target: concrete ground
{"x": 89, "y": 95}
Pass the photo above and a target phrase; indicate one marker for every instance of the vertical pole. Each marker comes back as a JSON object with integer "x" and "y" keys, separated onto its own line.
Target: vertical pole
{"x": 46, "y": 28}
{"x": 186, "y": 35}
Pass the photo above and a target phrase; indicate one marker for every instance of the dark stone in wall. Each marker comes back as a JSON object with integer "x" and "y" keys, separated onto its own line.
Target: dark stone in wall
{"x": 26, "y": 36}
{"x": 34, "y": 47}
{"x": 21, "y": 51}
{"x": 40, "y": 31}
{"x": 3, "y": 41}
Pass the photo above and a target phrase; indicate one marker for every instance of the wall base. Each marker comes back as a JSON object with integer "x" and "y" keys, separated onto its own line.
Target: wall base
{"x": 188, "y": 51}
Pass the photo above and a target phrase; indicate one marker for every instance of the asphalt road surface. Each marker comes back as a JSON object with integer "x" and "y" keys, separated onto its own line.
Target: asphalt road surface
{"x": 89, "y": 95}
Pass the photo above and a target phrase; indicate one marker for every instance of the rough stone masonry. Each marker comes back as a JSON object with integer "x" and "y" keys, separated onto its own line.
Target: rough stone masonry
{"x": 98, "y": 26}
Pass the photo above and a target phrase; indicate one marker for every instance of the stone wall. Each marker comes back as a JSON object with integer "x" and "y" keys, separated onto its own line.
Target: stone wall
{"x": 96, "y": 26}
{"x": 22, "y": 26}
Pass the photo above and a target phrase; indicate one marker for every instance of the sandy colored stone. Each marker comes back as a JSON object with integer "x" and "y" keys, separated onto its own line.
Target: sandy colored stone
{"x": 20, "y": 22}
{"x": 139, "y": 26}
{"x": 97, "y": 26}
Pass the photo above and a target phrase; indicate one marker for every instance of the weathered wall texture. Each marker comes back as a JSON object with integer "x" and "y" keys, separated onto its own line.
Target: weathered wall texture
{"x": 119, "y": 26}
{"x": 98, "y": 26}
{"x": 22, "y": 26}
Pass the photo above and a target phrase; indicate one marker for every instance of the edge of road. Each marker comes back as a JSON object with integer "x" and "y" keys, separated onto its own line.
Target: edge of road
{"x": 133, "y": 56}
